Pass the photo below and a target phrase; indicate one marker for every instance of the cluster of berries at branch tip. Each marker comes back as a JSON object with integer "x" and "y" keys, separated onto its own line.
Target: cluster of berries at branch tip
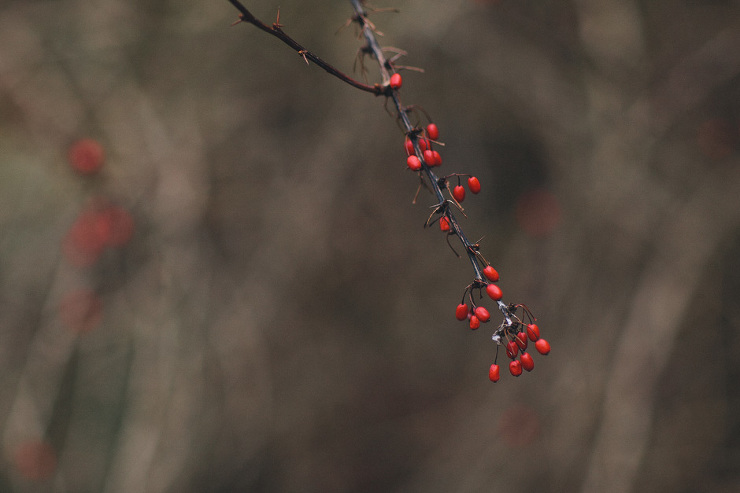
{"x": 515, "y": 334}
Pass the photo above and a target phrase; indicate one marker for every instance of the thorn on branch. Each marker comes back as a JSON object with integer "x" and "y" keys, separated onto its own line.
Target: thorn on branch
{"x": 303, "y": 53}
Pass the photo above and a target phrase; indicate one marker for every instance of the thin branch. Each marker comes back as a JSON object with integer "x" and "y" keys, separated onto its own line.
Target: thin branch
{"x": 276, "y": 30}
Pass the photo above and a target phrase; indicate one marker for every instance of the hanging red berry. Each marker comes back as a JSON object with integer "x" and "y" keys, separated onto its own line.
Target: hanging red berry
{"x": 474, "y": 322}
{"x": 494, "y": 292}
{"x": 409, "y": 146}
{"x": 474, "y": 184}
{"x": 542, "y": 346}
{"x": 424, "y": 144}
{"x": 533, "y": 332}
{"x": 490, "y": 273}
{"x": 444, "y": 224}
{"x": 494, "y": 373}
{"x": 413, "y": 163}
{"x": 482, "y": 314}
{"x": 432, "y": 131}
{"x": 396, "y": 81}
{"x": 461, "y": 312}
{"x": 459, "y": 193}
{"x": 515, "y": 367}
{"x": 527, "y": 361}
{"x": 512, "y": 349}
{"x": 521, "y": 340}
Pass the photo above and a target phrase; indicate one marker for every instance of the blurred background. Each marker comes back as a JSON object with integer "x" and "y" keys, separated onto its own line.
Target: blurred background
{"x": 213, "y": 278}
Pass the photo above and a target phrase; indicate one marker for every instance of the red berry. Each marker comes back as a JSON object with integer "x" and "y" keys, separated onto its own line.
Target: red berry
{"x": 459, "y": 193}
{"x": 396, "y": 81}
{"x": 527, "y": 361}
{"x": 542, "y": 346}
{"x": 515, "y": 367}
{"x": 490, "y": 273}
{"x": 474, "y": 322}
{"x": 429, "y": 157}
{"x": 512, "y": 349}
{"x": 482, "y": 314}
{"x": 444, "y": 224}
{"x": 521, "y": 340}
{"x": 533, "y": 332}
{"x": 461, "y": 312}
{"x": 409, "y": 146}
{"x": 413, "y": 163}
{"x": 474, "y": 184}
{"x": 86, "y": 156}
{"x": 494, "y": 373}
{"x": 432, "y": 131}
{"x": 436, "y": 158}
{"x": 494, "y": 292}
{"x": 424, "y": 144}
{"x": 87, "y": 238}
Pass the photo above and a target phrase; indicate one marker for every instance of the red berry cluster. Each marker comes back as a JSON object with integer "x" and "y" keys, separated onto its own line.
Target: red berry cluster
{"x": 515, "y": 335}
{"x": 422, "y": 157}
{"x": 428, "y": 155}
{"x": 473, "y": 313}
{"x": 99, "y": 226}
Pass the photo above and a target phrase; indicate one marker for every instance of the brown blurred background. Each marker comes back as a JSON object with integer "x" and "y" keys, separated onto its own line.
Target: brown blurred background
{"x": 242, "y": 297}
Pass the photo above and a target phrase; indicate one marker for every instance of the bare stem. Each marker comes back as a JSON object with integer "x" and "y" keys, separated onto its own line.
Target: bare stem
{"x": 276, "y": 30}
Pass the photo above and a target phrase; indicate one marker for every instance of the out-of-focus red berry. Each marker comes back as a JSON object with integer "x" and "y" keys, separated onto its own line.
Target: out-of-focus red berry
{"x": 86, "y": 156}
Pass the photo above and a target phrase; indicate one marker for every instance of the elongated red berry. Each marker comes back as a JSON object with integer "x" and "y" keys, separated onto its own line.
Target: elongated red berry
{"x": 533, "y": 332}
{"x": 527, "y": 361}
{"x": 512, "y": 349}
{"x": 413, "y": 163}
{"x": 461, "y": 312}
{"x": 482, "y": 314}
{"x": 490, "y": 273}
{"x": 436, "y": 158}
{"x": 430, "y": 158}
{"x": 444, "y": 224}
{"x": 424, "y": 144}
{"x": 521, "y": 340}
{"x": 474, "y": 322}
{"x": 494, "y": 373}
{"x": 494, "y": 292}
{"x": 409, "y": 146}
{"x": 542, "y": 346}
{"x": 515, "y": 367}
{"x": 459, "y": 193}
{"x": 474, "y": 184}
{"x": 396, "y": 82}
{"x": 432, "y": 131}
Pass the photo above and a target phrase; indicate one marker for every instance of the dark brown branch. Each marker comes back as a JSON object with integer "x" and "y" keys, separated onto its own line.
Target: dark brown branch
{"x": 276, "y": 30}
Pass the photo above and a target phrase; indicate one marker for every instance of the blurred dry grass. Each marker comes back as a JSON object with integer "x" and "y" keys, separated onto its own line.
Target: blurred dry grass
{"x": 280, "y": 321}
